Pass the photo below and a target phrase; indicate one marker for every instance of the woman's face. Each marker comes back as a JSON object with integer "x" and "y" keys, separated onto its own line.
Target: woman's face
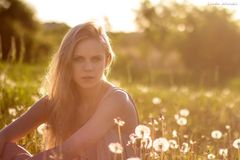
{"x": 88, "y": 63}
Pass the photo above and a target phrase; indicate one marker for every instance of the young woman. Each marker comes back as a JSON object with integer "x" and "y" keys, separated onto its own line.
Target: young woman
{"x": 81, "y": 104}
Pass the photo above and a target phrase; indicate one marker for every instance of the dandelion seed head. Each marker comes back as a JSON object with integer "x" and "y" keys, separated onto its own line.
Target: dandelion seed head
{"x": 174, "y": 133}
{"x": 118, "y": 121}
{"x": 228, "y": 127}
{"x": 184, "y": 148}
{"x": 182, "y": 121}
{"x": 161, "y": 144}
{"x": 236, "y": 143}
{"x": 211, "y": 156}
{"x": 185, "y": 136}
{"x": 216, "y": 134}
{"x": 115, "y": 148}
{"x": 156, "y": 100}
{"x": 223, "y": 152}
{"x": 173, "y": 144}
{"x": 208, "y": 94}
{"x": 184, "y": 112}
{"x": 12, "y": 111}
{"x": 142, "y": 131}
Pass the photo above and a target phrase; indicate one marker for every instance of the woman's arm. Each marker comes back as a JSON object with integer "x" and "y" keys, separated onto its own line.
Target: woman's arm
{"x": 37, "y": 114}
{"x": 94, "y": 129}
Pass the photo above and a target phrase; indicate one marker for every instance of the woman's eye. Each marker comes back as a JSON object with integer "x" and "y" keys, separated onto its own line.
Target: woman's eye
{"x": 97, "y": 59}
{"x": 78, "y": 59}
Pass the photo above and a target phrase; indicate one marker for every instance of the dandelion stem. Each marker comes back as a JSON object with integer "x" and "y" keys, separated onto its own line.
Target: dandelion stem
{"x": 161, "y": 155}
{"x": 120, "y": 140}
{"x": 238, "y": 153}
{"x": 115, "y": 156}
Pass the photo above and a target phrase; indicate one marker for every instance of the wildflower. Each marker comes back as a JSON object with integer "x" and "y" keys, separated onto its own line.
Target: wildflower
{"x": 211, "y": 156}
{"x": 115, "y": 148}
{"x": 173, "y": 144}
{"x": 176, "y": 116}
{"x": 155, "y": 122}
{"x": 192, "y": 142}
{"x": 134, "y": 158}
{"x": 161, "y": 144}
{"x": 208, "y": 94}
{"x": 184, "y": 90}
{"x": 154, "y": 155}
{"x": 118, "y": 121}
{"x": 236, "y": 143}
{"x": 184, "y": 148}
{"x": 182, "y": 121}
{"x": 223, "y": 152}
{"x": 216, "y": 134}
{"x": 41, "y": 128}
{"x": 35, "y": 98}
{"x": 132, "y": 138}
{"x": 174, "y": 133}
{"x": 143, "y": 89}
{"x": 184, "y": 112}
{"x": 14, "y": 119}
{"x": 227, "y": 127}
{"x": 156, "y": 100}
{"x": 226, "y": 92}
{"x": 10, "y": 82}
{"x": 20, "y": 107}
{"x": 161, "y": 117}
{"x": 185, "y": 136}
{"x": 142, "y": 131}
{"x": 12, "y": 111}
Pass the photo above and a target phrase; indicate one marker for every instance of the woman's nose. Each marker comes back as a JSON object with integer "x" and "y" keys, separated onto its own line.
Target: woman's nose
{"x": 88, "y": 66}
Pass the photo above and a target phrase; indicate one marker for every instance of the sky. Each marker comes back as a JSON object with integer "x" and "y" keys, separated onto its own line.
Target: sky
{"x": 121, "y": 13}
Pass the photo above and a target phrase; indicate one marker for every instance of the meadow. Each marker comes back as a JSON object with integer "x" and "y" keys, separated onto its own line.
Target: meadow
{"x": 177, "y": 121}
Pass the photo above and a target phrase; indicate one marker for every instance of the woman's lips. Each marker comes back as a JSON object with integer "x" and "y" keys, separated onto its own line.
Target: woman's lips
{"x": 87, "y": 78}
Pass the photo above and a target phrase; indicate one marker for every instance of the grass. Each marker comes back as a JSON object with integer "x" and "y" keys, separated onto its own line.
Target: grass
{"x": 158, "y": 106}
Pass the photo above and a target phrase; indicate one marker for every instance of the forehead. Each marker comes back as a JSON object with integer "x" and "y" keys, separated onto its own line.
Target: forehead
{"x": 88, "y": 47}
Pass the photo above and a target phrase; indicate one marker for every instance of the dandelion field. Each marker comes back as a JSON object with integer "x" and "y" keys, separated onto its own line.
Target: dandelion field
{"x": 177, "y": 122}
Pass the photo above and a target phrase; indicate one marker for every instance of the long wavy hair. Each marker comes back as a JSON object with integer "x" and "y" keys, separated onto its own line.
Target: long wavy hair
{"x": 60, "y": 86}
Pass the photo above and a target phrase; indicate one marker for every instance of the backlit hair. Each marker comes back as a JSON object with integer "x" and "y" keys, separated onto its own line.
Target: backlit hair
{"x": 61, "y": 90}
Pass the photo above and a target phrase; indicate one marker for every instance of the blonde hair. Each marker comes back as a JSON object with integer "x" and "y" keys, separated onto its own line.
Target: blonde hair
{"x": 61, "y": 90}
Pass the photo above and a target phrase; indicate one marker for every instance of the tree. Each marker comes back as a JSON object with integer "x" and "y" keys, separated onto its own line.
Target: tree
{"x": 207, "y": 39}
{"x": 18, "y": 27}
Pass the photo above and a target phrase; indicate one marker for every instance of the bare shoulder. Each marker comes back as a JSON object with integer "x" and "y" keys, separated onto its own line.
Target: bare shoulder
{"x": 120, "y": 102}
{"x": 119, "y": 98}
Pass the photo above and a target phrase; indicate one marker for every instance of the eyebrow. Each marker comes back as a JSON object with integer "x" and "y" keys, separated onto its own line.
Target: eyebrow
{"x": 78, "y": 56}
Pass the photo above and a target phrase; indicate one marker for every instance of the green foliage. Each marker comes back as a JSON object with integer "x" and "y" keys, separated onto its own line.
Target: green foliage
{"x": 206, "y": 38}
{"x": 213, "y": 108}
